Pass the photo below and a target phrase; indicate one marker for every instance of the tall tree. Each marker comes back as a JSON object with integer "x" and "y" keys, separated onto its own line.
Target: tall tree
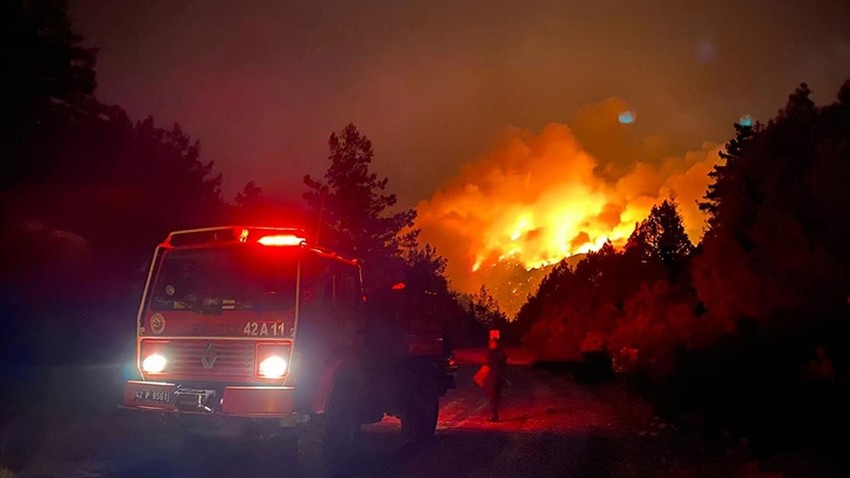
{"x": 353, "y": 205}
{"x": 773, "y": 246}
{"x": 49, "y": 80}
{"x": 724, "y": 173}
{"x": 485, "y": 308}
{"x": 662, "y": 236}
{"x": 166, "y": 160}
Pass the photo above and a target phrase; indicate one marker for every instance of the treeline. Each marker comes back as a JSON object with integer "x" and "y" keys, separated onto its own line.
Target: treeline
{"x": 85, "y": 189}
{"x": 747, "y": 330}
{"x": 87, "y": 192}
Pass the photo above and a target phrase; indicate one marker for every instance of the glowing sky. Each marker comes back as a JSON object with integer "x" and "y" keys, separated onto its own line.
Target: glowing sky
{"x": 432, "y": 83}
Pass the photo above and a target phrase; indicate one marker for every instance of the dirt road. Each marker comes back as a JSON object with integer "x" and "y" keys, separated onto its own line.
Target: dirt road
{"x": 552, "y": 427}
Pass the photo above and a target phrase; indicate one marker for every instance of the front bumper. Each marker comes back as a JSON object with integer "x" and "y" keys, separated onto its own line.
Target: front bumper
{"x": 237, "y": 401}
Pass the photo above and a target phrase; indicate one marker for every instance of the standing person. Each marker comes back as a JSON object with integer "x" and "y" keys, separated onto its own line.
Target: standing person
{"x": 497, "y": 361}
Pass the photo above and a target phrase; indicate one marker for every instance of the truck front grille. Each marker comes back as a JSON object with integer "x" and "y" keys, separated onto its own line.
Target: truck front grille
{"x": 210, "y": 358}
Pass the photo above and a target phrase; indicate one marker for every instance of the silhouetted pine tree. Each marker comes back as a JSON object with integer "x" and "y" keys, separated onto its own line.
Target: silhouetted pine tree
{"x": 661, "y": 236}
{"x": 352, "y": 204}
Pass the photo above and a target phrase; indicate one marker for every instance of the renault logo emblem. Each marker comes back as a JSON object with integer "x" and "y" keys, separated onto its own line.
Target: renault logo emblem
{"x": 209, "y": 356}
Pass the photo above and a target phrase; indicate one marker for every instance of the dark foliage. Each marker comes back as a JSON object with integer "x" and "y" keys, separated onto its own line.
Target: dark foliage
{"x": 773, "y": 274}
{"x": 352, "y": 204}
{"x": 252, "y": 206}
{"x": 50, "y": 87}
{"x": 351, "y": 207}
{"x": 85, "y": 191}
{"x": 745, "y": 334}
{"x": 661, "y": 238}
{"x": 613, "y": 298}
{"x": 403, "y": 279}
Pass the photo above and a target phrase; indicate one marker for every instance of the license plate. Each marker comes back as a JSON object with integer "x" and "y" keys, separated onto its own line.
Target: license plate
{"x": 156, "y": 396}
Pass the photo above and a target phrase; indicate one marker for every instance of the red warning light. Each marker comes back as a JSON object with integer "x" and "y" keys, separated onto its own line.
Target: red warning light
{"x": 399, "y": 286}
{"x": 282, "y": 240}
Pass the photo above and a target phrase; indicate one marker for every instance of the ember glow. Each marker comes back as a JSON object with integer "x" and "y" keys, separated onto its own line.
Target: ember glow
{"x": 537, "y": 198}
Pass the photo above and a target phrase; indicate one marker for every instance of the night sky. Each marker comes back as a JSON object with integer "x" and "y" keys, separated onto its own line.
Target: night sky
{"x": 262, "y": 84}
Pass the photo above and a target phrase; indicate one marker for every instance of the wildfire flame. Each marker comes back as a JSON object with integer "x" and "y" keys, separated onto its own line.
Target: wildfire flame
{"x": 535, "y": 199}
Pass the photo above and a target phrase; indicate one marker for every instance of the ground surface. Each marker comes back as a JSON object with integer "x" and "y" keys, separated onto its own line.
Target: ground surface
{"x": 552, "y": 427}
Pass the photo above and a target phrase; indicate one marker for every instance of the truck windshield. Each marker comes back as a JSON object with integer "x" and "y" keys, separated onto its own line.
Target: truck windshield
{"x": 211, "y": 280}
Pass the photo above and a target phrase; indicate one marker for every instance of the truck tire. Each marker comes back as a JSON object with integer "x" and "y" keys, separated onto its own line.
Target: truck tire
{"x": 341, "y": 434}
{"x": 419, "y": 421}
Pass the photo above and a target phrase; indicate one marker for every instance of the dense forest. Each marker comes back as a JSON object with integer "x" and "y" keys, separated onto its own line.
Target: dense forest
{"x": 750, "y": 326}
{"x": 726, "y": 330}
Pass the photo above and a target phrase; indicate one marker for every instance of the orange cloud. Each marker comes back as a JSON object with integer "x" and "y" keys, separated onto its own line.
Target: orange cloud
{"x": 536, "y": 198}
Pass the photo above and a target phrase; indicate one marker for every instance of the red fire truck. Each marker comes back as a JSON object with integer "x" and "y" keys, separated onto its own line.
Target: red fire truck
{"x": 253, "y": 331}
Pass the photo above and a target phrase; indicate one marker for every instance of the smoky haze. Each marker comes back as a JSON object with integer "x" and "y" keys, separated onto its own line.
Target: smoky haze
{"x": 262, "y": 84}
{"x": 434, "y": 84}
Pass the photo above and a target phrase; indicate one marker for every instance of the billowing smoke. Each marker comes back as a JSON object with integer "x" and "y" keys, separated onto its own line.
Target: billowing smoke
{"x": 537, "y": 198}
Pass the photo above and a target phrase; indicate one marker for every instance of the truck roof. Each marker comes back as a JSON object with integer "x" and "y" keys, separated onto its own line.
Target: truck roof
{"x": 264, "y": 235}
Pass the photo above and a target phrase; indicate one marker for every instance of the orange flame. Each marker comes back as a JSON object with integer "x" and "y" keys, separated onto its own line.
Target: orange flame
{"x": 538, "y": 198}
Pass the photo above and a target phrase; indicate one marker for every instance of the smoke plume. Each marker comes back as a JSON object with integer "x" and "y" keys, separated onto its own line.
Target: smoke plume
{"x": 537, "y": 198}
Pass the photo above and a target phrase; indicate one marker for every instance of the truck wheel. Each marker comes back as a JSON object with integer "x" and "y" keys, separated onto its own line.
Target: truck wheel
{"x": 419, "y": 422}
{"x": 342, "y": 430}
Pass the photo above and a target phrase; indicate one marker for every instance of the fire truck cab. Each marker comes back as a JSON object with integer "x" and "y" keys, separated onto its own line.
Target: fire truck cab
{"x": 251, "y": 330}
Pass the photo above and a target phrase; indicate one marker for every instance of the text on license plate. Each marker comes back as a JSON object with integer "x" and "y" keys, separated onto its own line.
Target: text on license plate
{"x": 158, "y": 396}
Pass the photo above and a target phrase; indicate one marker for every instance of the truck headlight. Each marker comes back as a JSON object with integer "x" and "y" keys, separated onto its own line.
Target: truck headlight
{"x": 273, "y": 367}
{"x": 153, "y": 363}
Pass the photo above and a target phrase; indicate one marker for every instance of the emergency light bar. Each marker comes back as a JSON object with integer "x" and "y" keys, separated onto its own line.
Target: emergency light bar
{"x": 282, "y": 240}
{"x": 264, "y": 236}
{"x": 267, "y": 236}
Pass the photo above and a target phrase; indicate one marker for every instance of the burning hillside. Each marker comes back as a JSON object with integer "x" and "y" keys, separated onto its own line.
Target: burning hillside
{"x": 537, "y": 198}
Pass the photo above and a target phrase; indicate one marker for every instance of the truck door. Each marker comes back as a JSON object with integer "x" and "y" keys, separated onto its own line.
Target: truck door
{"x": 330, "y": 321}
{"x": 343, "y": 285}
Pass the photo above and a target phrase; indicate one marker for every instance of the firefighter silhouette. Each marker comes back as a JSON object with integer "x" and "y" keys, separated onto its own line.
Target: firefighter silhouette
{"x": 495, "y": 377}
